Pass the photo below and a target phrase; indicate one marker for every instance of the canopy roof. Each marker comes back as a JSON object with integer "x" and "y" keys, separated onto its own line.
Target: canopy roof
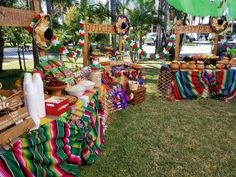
{"x": 206, "y": 7}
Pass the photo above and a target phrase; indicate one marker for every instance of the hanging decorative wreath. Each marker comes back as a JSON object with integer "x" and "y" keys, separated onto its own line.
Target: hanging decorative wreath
{"x": 122, "y": 25}
{"x": 40, "y": 29}
{"x": 219, "y": 24}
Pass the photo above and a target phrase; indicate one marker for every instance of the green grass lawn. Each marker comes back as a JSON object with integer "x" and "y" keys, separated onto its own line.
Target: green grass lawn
{"x": 161, "y": 138}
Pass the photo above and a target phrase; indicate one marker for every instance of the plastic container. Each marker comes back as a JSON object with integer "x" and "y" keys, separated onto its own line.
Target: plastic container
{"x": 38, "y": 83}
{"x": 77, "y": 90}
{"x": 31, "y": 95}
{"x": 27, "y": 80}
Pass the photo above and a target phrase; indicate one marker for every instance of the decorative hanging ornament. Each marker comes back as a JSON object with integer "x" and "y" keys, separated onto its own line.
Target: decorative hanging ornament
{"x": 42, "y": 31}
{"x": 219, "y": 24}
{"x": 122, "y": 25}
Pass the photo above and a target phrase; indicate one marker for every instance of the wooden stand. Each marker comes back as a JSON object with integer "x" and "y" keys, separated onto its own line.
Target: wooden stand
{"x": 98, "y": 29}
{"x": 179, "y": 29}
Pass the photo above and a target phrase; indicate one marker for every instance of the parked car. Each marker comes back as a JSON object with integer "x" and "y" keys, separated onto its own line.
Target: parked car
{"x": 190, "y": 38}
{"x": 222, "y": 50}
{"x": 149, "y": 41}
{"x": 150, "y": 38}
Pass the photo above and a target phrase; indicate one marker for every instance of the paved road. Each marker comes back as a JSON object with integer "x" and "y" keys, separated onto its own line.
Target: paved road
{"x": 11, "y": 53}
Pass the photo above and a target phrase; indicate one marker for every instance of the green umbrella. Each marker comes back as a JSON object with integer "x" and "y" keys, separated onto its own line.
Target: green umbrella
{"x": 205, "y": 7}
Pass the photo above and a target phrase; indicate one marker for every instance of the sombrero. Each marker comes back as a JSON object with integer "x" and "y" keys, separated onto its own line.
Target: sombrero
{"x": 122, "y": 25}
{"x": 219, "y": 24}
{"x": 42, "y": 32}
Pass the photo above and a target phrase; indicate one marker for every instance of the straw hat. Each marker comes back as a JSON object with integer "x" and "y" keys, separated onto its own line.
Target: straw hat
{"x": 219, "y": 24}
{"x": 43, "y": 33}
{"x": 122, "y": 25}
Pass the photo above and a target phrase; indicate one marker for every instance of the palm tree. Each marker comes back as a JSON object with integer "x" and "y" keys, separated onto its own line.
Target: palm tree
{"x": 141, "y": 17}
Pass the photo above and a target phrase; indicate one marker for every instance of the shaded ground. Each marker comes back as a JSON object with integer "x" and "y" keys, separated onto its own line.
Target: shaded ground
{"x": 162, "y": 138}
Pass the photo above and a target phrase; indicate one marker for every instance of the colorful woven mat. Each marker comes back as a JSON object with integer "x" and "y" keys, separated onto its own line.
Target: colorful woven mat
{"x": 57, "y": 148}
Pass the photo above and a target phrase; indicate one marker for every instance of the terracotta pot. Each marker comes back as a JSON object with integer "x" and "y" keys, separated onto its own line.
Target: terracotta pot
{"x": 200, "y": 66}
{"x": 174, "y": 65}
{"x": 56, "y": 91}
{"x": 226, "y": 61}
{"x": 183, "y": 65}
{"x": 232, "y": 62}
{"x": 191, "y": 66}
{"x": 220, "y": 66}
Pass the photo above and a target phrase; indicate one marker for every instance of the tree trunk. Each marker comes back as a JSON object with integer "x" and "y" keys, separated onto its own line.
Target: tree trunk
{"x": 35, "y": 53}
{"x": 158, "y": 38}
{"x": 1, "y": 49}
{"x": 182, "y": 36}
{"x": 113, "y": 14}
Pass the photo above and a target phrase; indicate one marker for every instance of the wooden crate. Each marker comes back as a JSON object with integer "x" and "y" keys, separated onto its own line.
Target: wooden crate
{"x": 14, "y": 124}
{"x": 11, "y": 103}
{"x": 139, "y": 95}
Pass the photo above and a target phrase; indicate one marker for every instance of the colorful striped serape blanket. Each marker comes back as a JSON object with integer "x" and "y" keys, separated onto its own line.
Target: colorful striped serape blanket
{"x": 57, "y": 148}
{"x": 219, "y": 84}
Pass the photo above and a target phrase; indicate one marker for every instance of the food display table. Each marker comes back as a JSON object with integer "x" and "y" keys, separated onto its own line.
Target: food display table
{"x": 59, "y": 146}
{"x": 188, "y": 84}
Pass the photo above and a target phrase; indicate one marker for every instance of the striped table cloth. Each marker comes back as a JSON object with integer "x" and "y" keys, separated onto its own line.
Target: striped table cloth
{"x": 219, "y": 84}
{"x": 57, "y": 148}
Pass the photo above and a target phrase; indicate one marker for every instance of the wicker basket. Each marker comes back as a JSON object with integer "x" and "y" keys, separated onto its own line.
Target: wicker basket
{"x": 5, "y": 93}
{"x": 133, "y": 85}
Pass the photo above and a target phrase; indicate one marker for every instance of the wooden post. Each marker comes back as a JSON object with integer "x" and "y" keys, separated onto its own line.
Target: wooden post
{"x": 86, "y": 43}
{"x": 215, "y": 44}
{"x": 177, "y": 46}
{"x": 36, "y": 6}
{"x": 120, "y": 45}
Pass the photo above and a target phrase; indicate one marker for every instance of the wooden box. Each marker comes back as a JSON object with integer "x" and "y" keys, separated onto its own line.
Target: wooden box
{"x": 14, "y": 124}
{"x": 139, "y": 95}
